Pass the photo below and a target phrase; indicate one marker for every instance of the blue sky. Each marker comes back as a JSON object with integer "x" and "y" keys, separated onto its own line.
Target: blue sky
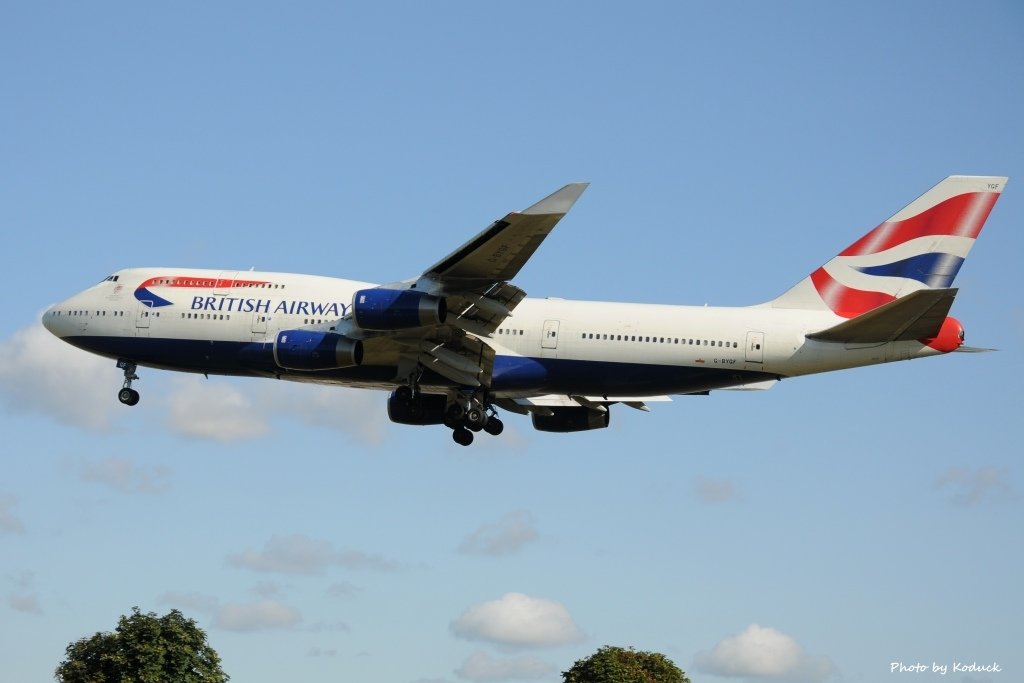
{"x": 840, "y": 522}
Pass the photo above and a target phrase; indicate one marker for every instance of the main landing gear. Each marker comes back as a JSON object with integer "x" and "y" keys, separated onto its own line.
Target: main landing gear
{"x": 127, "y": 395}
{"x": 468, "y": 415}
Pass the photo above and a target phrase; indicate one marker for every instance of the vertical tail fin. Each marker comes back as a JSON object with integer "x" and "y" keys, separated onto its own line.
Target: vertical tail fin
{"x": 921, "y": 247}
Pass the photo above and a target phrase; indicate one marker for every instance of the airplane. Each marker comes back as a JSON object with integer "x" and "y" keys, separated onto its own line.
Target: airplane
{"x": 460, "y": 341}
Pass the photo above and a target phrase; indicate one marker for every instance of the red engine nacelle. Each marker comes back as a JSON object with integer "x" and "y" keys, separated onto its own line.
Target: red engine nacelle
{"x": 950, "y": 336}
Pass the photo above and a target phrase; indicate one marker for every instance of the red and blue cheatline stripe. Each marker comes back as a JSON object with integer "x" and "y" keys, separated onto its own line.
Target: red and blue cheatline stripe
{"x": 145, "y": 295}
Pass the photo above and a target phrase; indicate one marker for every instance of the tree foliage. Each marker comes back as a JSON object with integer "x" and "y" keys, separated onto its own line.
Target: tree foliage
{"x": 620, "y": 665}
{"x": 144, "y": 648}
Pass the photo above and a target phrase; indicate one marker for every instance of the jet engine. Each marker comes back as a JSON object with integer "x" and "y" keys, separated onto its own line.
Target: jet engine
{"x": 572, "y": 419}
{"x": 314, "y": 350}
{"x": 397, "y": 309}
{"x": 426, "y": 409}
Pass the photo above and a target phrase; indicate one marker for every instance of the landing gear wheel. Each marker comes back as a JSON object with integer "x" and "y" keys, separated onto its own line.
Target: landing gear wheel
{"x": 453, "y": 415}
{"x": 127, "y": 396}
{"x": 403, "y": 394}
{"x": 494, "y": 426}
{"x": 462, "y": 436}
{"x": 476, "y": 418}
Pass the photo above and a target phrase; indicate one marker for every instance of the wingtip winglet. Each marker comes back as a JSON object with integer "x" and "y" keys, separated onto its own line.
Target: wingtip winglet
{"x": 560, "y": 201}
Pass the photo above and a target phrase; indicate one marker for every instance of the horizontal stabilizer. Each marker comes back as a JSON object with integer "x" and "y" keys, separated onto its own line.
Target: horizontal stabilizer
{"x": 973, "y": 349}
{"x": 918, "y": 315}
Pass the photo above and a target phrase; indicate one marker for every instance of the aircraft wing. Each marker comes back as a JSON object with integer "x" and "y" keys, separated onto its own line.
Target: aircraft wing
{"x": 542, "y": 405}
{"x": 474, "y": 278}
{"x": 474, "y": 283}
{"x": 497, "y": 253}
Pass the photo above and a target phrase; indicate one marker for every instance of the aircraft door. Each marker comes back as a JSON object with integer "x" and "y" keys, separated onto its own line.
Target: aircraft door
{"x": 142, "y": 316}
{"x": 259, "y": 325}
{"x": 549, "y": 338}
{"x": 225, "y": 281}
{"x": 755, "y": 347}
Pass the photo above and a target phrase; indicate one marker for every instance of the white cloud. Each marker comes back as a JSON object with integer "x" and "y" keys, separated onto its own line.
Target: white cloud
{"x": 124, "y": 475}
{"x": 715, "y": 490}
{"x": 213, "y": 410}
{"x": 39, "y": 373}
{"x": 518, "y": 620}
{"x": 256, "y": 616}
{"x": 511, "y": 533}
{"x": 267, "y": 589}
{"x": 261, "y": 615}
{"x": 218, "y": 409}
{"x": 330, "y": 627}
{"x": 300, "y": 554}
{"x": 481, "y": 668}
{"x": 342, "y": 589}
{"x": 983, "y": 485}
{"x": 10, "y": 523}
{"x": 24, "y": 580}
{"x": 188, "y": 600}
{"x": 358, "y": 412}
{"x": 25, "y": 602}
{"x": 761, "y": 652}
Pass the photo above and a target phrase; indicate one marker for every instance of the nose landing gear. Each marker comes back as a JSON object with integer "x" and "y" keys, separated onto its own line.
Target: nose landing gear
{"x": 127, "y": 395}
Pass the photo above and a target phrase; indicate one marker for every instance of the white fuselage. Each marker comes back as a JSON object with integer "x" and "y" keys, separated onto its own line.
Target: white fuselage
{"x": 218, "y": 322}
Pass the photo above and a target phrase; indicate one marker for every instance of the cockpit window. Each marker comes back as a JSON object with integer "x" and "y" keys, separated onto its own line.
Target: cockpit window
{"x": 111, "y": 278}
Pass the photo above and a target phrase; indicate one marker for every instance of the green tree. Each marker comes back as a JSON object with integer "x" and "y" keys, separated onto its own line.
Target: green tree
{"x": 620, "y": 665}
{"x": 144, "y": 648}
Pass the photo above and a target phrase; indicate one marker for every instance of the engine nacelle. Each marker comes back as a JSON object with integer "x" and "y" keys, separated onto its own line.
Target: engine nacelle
{"x": 571, "y": 419}
{"x": 313, "y": 350}
{"x": 397, "y": 309}
{"x": 426, "y": 409}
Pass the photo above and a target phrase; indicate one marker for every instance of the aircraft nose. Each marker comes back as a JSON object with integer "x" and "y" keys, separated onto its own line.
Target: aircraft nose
{"x": 50, "y": 321}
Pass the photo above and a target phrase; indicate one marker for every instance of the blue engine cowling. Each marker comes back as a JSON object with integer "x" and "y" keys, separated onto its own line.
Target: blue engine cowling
{"x": 572, "y": 420}
{"x": 426, "y": 409}
{"x": 397, "y": 309}
{"x": 314, "y": 350}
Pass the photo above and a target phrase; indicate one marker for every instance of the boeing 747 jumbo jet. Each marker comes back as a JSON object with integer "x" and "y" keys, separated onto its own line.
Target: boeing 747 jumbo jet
{"x": 459, "y": 341}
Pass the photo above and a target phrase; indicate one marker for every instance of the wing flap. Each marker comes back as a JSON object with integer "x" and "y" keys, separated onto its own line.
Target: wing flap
{"x": 763, "y": 385}
{"x": 541, "y": 405}
{"x": 918, "y": 315}
{"x": 465, "y": 360}
{"x": 483, "y": 313}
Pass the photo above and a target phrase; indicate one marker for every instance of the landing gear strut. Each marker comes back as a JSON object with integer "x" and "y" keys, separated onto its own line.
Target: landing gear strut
{"x": 127, "y": 395}
{"x": 408, "y": 392}
{"x": 467, "y": 415}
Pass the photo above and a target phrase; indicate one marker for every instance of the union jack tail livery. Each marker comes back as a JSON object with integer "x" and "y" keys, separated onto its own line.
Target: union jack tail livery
{"x": 921, "y": 247}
